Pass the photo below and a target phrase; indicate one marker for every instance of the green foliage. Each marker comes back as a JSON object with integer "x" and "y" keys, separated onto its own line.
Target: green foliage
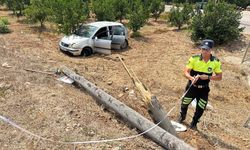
{"x": 38, "y": 11}
{"x": 164, "y": 16}
{"x": 2, "y": 2}
{"x": 146, "y": 6}
{"x": 241, "y": 3}
{"x": 104, "y": 10}
{"x": 17, "y": 6}
{"x": 156, "y": 8}
{"x": 4, "y": 25}
{"x": 135, "y": 34}
{"x": 120, "y": 9}
{"x": 167, "y": 1}
{"x": 178, "y": 17}
{"x": 5, "y": 20}
{"x": 138, "y": 15}
{"x": 179, "y": 1}
{"x": 219, "y": 22}
{"x": 68, "y": 15}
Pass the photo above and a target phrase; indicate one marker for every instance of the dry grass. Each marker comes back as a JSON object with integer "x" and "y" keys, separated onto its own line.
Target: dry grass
{"x": 43, "y": 105}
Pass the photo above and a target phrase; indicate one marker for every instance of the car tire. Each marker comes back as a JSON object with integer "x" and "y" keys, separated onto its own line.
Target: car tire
{"x": 86, "y": 51}
{"x": 124, "y": 45}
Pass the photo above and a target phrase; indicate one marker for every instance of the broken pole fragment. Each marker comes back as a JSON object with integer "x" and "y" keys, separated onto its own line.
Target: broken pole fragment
{"x": 157, "y": 134}
{"x": 154, "y": 107}
{"x": 158, "y": 114}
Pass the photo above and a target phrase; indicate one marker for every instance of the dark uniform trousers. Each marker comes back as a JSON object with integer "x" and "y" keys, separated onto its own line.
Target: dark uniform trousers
{"x": 201, "y": 95}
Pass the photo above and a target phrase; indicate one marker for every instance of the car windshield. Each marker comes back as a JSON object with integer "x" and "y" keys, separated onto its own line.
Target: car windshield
{"x": 86, "y": 31}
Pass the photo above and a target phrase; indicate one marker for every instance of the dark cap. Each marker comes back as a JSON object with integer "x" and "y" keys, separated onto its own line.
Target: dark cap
{"x": 207, "y": 44}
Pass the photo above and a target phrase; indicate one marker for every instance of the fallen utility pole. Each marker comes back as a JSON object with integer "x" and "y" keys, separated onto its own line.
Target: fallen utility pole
{"x": 37, "y": 71}
{"x": 157, "y": 134}
{"x": 245, "y": 54}
{"x": 154, "y": 107}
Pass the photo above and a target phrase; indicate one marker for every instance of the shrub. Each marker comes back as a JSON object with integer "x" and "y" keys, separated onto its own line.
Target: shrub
{"x": 121, "y": 9}
{"x": 17, "y": 6}
{"x": 219, "y": 22}
{"x": 3, "y": 27}
{"x": 241, "y": 3}
{"x": 138, "y": 15}
{"x": 156, "y": 8}
{"x": 38, "y": 11}
{"x": 4, "y": 20}
{"x": 178, "y": 17}
{"x": 68, "y": 15}
{"x": 104, "y": 10}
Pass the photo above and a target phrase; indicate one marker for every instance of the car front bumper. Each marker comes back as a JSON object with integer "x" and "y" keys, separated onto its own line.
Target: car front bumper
{"x": 73, "y": 51}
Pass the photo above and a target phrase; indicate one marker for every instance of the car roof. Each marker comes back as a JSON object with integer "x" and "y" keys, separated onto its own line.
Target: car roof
{"x": 101, "y": 24}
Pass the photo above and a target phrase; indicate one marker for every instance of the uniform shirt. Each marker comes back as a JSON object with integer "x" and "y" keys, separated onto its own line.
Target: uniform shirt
{"x": 199, "y": 66}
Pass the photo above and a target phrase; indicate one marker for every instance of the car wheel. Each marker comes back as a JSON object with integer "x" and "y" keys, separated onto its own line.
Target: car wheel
{"x": 86, "y": 51}
{"x": 124, "y": 45}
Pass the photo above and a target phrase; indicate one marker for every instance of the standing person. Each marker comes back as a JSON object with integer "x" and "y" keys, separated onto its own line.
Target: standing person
{"x": 200, "y": 70}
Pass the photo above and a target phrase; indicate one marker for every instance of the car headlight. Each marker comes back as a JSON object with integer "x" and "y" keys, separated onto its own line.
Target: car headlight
{"x": 72, "y": 45}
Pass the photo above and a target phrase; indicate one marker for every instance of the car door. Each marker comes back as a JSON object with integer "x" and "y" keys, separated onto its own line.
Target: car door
{"x": 117, "y": 36}
{"x": 102, "y": 41}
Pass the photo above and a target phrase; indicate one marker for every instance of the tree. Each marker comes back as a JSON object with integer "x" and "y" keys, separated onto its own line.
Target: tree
{"x": 104, "y": 9}
{"x": 17, "y": 6}
{"x": 68, "y": 15}
{"x": 219, "y": 22}
{"x": 178, "y": 17}
{"x": 241, "y": 3}
{"x": 120, "y": 9}
{"x": 38, "y": 11}
{"x": 156, "y": 8}
{"x": 137, "y": 15}
{"x": 179, "y": 1}
{"x": 2, "y": 2}
{"x": 146, "y": 6}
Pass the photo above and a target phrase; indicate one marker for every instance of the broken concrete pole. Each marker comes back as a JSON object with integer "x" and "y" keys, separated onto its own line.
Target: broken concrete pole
{"x": 158, "y": 114}
{"x": 157, "y": 134}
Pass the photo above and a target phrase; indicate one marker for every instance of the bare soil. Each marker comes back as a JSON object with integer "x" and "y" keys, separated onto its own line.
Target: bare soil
{"x": 61, "y": 112}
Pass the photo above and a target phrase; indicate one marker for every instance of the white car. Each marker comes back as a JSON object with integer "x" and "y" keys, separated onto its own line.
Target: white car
{"x": 99, "y": 36}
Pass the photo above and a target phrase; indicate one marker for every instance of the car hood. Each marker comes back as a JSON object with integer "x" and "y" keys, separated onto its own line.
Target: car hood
{"x": 73, "y": 39}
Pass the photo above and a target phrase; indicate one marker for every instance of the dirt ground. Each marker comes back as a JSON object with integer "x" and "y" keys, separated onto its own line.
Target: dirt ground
{"x": 49, "y": 108}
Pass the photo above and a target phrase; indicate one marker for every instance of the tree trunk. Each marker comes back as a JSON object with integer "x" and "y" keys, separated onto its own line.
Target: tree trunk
{"x": 157, "y": 134}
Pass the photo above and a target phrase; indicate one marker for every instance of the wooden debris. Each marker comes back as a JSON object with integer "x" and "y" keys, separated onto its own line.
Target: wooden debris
{"x": 37, "y": 71}
{"x": 155, "y": 109}
{"x": 247, "y": 123}
{"x": 157, "y": 134}
{"x": 6, "y": 65}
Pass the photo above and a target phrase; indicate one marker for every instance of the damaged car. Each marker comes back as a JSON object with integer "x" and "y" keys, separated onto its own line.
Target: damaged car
{"x": 101, "y": 36}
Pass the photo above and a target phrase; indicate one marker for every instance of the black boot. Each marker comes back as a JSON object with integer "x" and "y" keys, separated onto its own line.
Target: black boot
{"x": 193, "y": 125}
{"x": 181, "y": 118}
